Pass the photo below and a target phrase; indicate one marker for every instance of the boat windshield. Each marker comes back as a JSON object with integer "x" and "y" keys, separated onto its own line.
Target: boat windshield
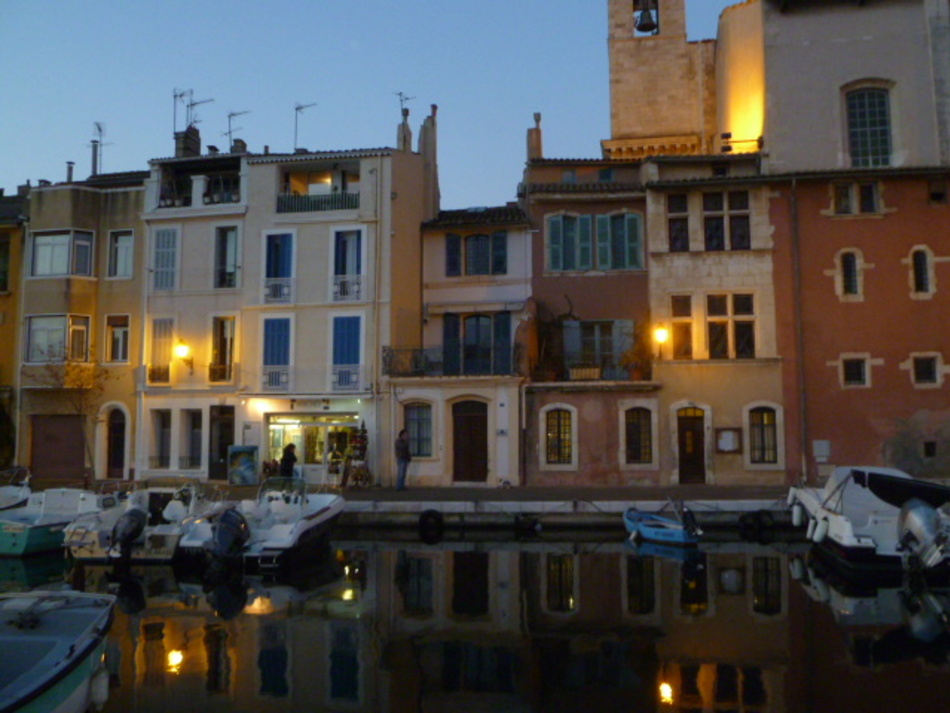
{"x": 296, "y": 486}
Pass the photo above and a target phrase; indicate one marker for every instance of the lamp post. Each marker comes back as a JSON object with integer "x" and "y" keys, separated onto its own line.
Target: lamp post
{"x": 183, "y": 352}
{"x": 660, "y": 335}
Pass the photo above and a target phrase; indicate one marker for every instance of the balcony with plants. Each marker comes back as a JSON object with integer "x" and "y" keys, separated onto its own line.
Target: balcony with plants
{"x": 320, "y": 188}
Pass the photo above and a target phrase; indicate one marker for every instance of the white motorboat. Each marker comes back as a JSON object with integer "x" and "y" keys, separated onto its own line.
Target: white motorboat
{"x": 145, "y": 527}
{"x": 52, "y": 646}
{"x": 37, "y": 525}
{"x": 16, "y": 488}
{"x": 872, "y": 519}
{"x": 283, "y": 520}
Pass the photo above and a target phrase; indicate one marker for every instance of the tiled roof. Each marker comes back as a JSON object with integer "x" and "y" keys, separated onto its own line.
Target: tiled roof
{"x": 592, "y": 187}
{"x": 501, "y": 215}
{"x": 819, "y": 175}
{"x": 310, "y": 156}
{"x": 117, "y": 180}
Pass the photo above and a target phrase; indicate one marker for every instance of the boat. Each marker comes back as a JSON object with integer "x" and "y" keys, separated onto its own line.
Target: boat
{"x": 876, "y": 519}
{"x": 37, "y": 525}
{"x": 145, "y": 527}
{"x": 16, "y": 489}
{"x": 680, "y": 529}
{"x": 266, "y": 532}
{"x": 52, "y": 646}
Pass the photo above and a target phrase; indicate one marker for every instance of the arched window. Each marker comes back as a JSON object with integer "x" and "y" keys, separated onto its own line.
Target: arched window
{"x": 763, "y": 435}
{"x": 639, "y": 435}
{"x": 920, "y": 263}
{"x": 558, "y": 437}
{"x": 869, "y": 126}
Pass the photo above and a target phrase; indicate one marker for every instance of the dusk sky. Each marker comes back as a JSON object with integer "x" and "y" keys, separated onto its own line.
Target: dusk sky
{"x": 488, "y": 65}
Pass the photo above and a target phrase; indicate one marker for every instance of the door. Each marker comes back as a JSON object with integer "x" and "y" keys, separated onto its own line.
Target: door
{"x": 221, "y": 431}
{"x": 58, "y": 447}
{"x": 470, "y": 441}
{"x": 115, "y": 447}
{"x": 692, "y": 445}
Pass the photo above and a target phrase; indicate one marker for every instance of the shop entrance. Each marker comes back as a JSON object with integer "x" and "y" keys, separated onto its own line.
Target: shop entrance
{"x": 322, "y": 442}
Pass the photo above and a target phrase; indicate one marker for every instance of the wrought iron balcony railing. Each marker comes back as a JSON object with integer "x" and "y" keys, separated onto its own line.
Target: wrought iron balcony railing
{"x": 290, "y": 203}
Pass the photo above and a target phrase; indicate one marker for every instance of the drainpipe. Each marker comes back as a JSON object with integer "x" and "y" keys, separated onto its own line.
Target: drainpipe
{"x": 16, "y": 404}
{"x": 799, "y": 333}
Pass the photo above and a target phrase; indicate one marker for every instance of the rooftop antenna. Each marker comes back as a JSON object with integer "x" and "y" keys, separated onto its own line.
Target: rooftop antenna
{"x": 297, "y": 109}
{"x": 191, "y": 117}
{"x": 178, "y": 97}
{"x": 403, "y": 100}
{"x": 231, "y": 115}
{"x": 97, "y": 143}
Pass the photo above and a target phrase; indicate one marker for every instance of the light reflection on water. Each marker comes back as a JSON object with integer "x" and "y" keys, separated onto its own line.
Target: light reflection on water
{"x": 518, "y": 626}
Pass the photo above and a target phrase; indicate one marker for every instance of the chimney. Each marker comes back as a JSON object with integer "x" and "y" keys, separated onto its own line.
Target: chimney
{"x": 69, "y": 171}
{"x": 188, "y": 142}
{"x": 404, "y": 133}
{"x": 95, "y": 157}
{"x": 535, "y": 149}
{"x": 239, "y": 146}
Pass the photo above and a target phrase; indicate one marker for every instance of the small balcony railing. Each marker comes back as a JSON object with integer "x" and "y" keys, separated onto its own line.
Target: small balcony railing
{"x": 160, "y": 462}
{"x": 434, "y": 361}
{"x": 219, "y": 372}
{"x": 275, "y": 378}
{"x": 278, "y": 290}
{"x": 347, "y": 288}
{"x": 579, "y": 368}
{"x": 346, "y": 377}
{"x": 189, "y": 462}
{"x": 290, "y": 203}
{"x": 159, "y": 373}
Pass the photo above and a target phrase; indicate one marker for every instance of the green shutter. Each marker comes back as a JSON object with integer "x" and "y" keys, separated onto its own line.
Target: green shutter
{"x": 555, "y": 228}
{"x": 584, "y": 243}
{"x": 603, "y": 242}
{"x": 634, "y": 241}
{"x": 572, "y": 342}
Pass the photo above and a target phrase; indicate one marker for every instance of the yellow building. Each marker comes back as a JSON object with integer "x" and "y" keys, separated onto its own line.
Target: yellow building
{"x": 12, "y": 219}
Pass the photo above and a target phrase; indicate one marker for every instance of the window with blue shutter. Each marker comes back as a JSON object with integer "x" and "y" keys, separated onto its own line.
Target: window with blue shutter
{"x": 634, "y": 241}
{"x": 453, "y": 255}
{"x": 501, "y": 343}
{"x": 347, "y": 258}
{"x": 165, "y": 259}
{"x": 451, "y": 345}
{"x": 555, "y": 232}
{"x": 499, "y": 253}
{"x": 346, "y": 341}
{"x": 277, "y": 342}
{"x": 279, "y": 258}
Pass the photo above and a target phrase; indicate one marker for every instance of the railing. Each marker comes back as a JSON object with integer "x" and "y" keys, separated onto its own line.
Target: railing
{"x": 580, "y": 368}
{"x": 346, "y": 377}
{"x": 189, "y": 462}
{"x": 219, "y": 372}
{"x": 278, "y": 290}
{"x": 347, "y": 288}
{"x": 275, "y": 378}
{"x": 290, "y": 203}
{"x": 161, "y": 462}
{"x": 159, "y": 373}
{"x": 433, "y": 361}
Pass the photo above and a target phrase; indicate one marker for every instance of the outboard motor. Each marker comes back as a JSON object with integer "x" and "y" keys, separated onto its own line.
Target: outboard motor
{"x": 921, "y": 533}
{"x": 126, "y": 530}
{"x": 230, "y": 534}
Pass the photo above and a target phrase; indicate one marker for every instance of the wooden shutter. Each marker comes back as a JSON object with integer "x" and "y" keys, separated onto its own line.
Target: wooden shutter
{"x": 555, "y": 237}
{"x": 634, "y": 241}
{"x": 499, "y": 253}
{"x": 585, "y": 246}
{"x": 451, "y": 344}
{"x": 453, "y": 255}
{"x": 501, "y": 343}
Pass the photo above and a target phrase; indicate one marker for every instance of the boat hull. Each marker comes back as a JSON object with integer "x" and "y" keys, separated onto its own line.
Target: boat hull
{"x": 19, "y": 539}
{"x": 650, "y": 527}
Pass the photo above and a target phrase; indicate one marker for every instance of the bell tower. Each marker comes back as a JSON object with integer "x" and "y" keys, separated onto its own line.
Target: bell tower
{"x": 662, "y": 87}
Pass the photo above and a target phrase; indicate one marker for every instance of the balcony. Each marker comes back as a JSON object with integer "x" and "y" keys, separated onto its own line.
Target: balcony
{"x": 159, "y": 374}
{"x": 275, "y": 378}
{"x": 291, "y": 203}
{"x": 347, "y": 288}
{"x": 159, "y": 462}
{"x": 219, "y": 372}
{"x": 278, "y": 290}
{"x": 189, "y": 462}
{"x": 432, "y": 361}
{"x": 346, "y": 378}
{"x": 222, "y": 189}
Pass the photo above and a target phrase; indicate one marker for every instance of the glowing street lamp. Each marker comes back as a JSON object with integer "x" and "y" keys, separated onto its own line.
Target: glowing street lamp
{"x": 183, "y": 352}
{"x": 660, "y": 335}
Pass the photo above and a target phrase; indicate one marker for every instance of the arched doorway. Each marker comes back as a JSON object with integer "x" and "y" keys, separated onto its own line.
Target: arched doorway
{"x": 115, "y": 445}
{"x": 690, "y": 426}
{"x": 470, "y": 441}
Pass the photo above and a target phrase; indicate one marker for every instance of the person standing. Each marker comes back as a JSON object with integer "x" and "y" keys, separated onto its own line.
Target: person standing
{"x": 288, "y": 461}
{"x": 403, "y": 457}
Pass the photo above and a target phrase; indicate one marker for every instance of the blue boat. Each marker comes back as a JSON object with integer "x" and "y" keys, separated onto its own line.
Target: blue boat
{"x": 680, "y": 529}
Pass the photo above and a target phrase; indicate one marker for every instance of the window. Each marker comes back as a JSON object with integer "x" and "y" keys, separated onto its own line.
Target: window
{"x": 278, "y": 268}
{"x": 225, "y": 256}
{"x": 159, "y": 364}
{"x": 937, "y": 191}
{"x": 165, "y": 259}
{"x": 766, "y": 585}
{"x": 926, "y": 370}
{"x": 54, "y": 338}
{"x": 920, "y": 263}
{"x": 418, "y": 420}
{"x": 120, "y": 253}
{"x": 4, "y": 265}
{"x": 638, "y": 435}
{"x": 619, "y": 242}
{"x": 854, "y": 372}
{"x": 476, "y": 254}
{"x": 276, "y": 357}
{"x": 347, "y": 265}
{"x": 569, "y": 242}
{"x": 161, "y": 439}
{"x": 346, "y": 353}
{"x": 850, "y": 277}
{"x": 597, "y": 344}
{"x": 57, "y": 254}
{"x": 869, "y": 127}
{"x": 559, "y": 576}
{"x": 415, "y": 581}
{"x": 730, "y": 326}
{"x": 117, "y": 337}
{"x": 222, "y": 348}
{"x": 641, "y": 587}
{"x": 677, "y": 210}
{"x": 763, "y": 435}
{"x": 856, "y": 198}
{"x": 477, "y": 344}
{"x": 726, "y": 215}
{"x": 559, "y": 437}
{"x": 682, "y": 327}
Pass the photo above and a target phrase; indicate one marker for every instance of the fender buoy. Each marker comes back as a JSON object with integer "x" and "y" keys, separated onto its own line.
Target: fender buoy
{"x": 797, "y": 568}
{"x": 790, "y": 499}
{"x": 812, "y": 524}
{"x": 431, "y": 526}
{"x": 798, "y": 514}
{"x": 821, "y": 530}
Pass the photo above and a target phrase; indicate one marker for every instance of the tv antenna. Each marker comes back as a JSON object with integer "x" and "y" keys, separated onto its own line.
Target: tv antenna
{"x": 99, "y": 129}
{"x": 231, "y": 115}
{"x": 297, "y": 109}
{"x": 403, "y": 100}
{"x": 178, "y": 97}
{"x": 191, "y": 117}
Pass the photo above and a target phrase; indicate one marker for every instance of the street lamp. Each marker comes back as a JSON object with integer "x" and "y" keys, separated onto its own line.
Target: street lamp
{"x": 183, "y": 352}
{"x": 660, "y": 335}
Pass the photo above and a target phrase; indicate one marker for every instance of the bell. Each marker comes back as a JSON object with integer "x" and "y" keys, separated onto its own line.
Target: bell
{"x": 645, "y": 22}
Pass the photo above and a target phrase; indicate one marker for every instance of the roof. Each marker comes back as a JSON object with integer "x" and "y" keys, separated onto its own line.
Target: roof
{"x": 817, "y": 175}
{"x": 117, "y": 180}
{"x": 589, "y": 187}
{"x": 500, "y": 215}
{"x": 311, "y": 155}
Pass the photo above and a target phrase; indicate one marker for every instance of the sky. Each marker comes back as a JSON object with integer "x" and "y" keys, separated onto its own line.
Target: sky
{"x": 488, "y": 65}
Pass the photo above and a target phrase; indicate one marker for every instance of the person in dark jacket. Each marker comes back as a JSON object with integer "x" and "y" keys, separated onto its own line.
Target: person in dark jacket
{"x": 288, "y": 461}
{"x": 403, "y": 457}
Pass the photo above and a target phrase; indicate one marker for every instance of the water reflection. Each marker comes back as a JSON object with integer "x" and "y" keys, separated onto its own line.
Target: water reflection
{"x": 525, "y": 626}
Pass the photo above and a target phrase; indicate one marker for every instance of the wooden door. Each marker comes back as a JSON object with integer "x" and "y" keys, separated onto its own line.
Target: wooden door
{"x": 692, "y": 445}
{"x": 470, "y": 441}
{"x": 115, "y": 449}
{"x": 58, "y": 447}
